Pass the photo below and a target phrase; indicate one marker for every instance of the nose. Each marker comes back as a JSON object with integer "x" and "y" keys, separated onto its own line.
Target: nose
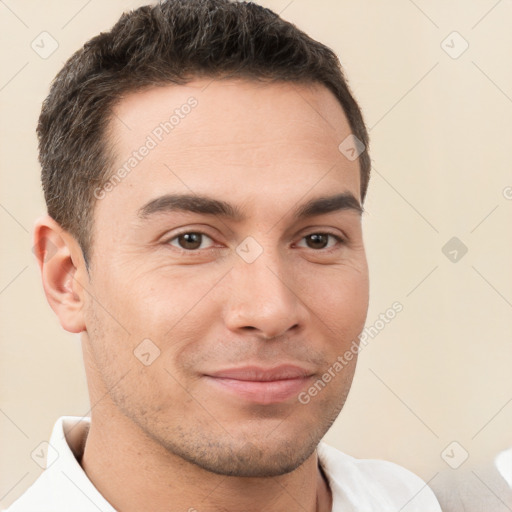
{"x": 263, "y": 300}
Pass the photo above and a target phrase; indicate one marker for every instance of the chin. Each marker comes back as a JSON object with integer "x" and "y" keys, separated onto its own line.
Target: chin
{"x": 252, "y": 461}
{"x": 265, "y": 457}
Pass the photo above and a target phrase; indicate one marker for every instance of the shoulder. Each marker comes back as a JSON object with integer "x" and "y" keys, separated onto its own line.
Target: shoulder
{"x": 484, "y": 487}
{"x": 37, "y": 497}
{"x": 374, "y": 484}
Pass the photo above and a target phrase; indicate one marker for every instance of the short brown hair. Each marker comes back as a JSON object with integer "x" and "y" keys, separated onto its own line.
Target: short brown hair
{"x": 172, "y": 42}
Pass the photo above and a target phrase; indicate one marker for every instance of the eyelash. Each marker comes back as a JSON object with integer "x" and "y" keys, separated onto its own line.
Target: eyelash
{"x": 340, "y": 241}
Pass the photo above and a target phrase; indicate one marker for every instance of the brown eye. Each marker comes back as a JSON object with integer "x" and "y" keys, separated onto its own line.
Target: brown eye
{"x": 189, "y": 241}
{"x": 317, "y": 240}
{"x": 321, "y": 240}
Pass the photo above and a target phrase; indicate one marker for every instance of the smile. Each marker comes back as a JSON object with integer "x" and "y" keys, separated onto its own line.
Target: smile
{"x": 262, "y": 386}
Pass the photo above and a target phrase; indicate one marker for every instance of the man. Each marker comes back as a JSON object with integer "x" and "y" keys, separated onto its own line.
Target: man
{"x": 204, "y": 166}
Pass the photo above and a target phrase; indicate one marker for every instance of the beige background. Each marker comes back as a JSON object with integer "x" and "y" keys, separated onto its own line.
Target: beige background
{"x": 441, "y": 131}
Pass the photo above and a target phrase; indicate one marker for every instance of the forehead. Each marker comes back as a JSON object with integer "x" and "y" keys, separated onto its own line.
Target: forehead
{"x": 255, "y": 141}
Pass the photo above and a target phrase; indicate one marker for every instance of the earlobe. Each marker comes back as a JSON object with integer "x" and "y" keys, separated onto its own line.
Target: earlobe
{"x": 62, "y": 272}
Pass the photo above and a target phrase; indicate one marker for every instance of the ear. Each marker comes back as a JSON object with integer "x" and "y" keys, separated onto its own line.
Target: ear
{"x": 63, "y": 272}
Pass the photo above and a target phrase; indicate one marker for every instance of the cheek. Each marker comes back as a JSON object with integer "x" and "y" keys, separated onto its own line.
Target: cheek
{"x": 163, "y": 305}
{"x": 131, "y": 364}
{"x": 339, "y": 297}
{"x": 156, "y": 301}
{"x": 108, "y": 351}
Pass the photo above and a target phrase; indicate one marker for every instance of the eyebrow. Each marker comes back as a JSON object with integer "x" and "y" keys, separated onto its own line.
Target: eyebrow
{"x": 208, "y": 206}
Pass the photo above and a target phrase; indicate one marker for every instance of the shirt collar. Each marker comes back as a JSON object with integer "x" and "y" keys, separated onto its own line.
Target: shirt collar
{"x": 64, "y": 484}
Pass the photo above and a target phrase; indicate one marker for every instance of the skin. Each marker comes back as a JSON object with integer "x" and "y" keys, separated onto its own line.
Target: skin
{"x": 163, "y": 434}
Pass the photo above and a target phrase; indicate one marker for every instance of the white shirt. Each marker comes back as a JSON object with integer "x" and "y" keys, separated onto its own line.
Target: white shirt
{"x": 356, "y": 485}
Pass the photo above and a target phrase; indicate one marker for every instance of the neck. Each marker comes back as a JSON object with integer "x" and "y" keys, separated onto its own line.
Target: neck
{"x": 133, "y": 473}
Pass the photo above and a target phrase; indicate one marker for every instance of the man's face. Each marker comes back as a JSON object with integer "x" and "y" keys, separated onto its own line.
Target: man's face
{"x": 226, "y": 298}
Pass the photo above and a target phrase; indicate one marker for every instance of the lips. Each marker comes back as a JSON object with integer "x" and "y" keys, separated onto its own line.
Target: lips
{"x": 255, "y": 373}
{"x": 261, "y": 385}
